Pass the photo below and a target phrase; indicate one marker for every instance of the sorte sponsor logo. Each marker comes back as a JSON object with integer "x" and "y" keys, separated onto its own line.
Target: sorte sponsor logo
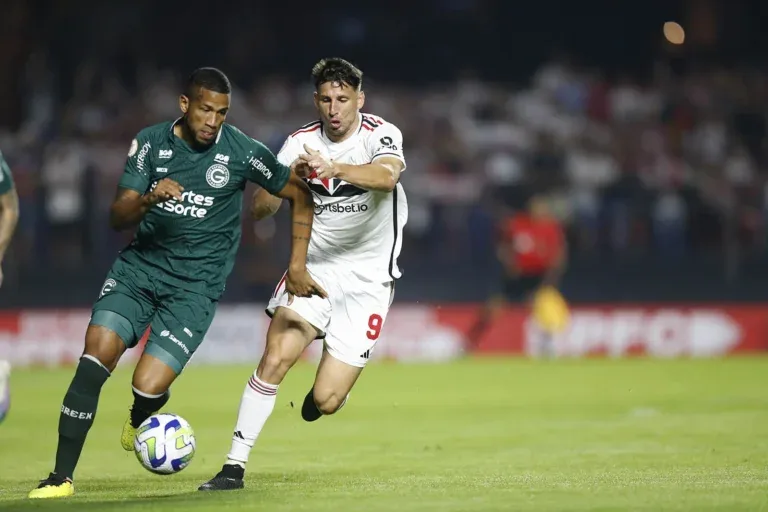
{"x": 191, "y": 204}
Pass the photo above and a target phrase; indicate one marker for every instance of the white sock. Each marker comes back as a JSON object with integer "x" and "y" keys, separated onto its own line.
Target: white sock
{"x": 256, "y": 405}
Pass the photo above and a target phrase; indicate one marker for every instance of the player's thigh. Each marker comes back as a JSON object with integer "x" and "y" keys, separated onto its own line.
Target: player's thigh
{"x": 119, "y": 317}
{"x": 316, "y": 311}
{"x": 289, "y": 334}
{"x": 357, "y": 320}
{"x": 176, "y": 331}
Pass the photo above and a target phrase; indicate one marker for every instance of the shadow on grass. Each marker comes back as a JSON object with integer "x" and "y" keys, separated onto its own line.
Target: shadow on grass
{"x": 160, "y": 494}
{"x": 130, "y": 500}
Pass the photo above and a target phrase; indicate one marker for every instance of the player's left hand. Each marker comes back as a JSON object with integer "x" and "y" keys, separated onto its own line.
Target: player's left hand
{"x": 322, "y": 167}
{"x": 299, "y": 283}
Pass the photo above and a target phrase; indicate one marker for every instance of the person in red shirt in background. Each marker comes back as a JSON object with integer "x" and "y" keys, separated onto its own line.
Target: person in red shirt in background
{"x": 533, "y": 252}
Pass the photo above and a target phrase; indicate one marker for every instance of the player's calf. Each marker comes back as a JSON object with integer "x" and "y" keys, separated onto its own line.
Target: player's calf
{"x": 333, "y": 383}
{"x": 321, "y": 403}
{"x": 288, "y": 336}
{"x": 152, "y": 379}
{"x": 103, "y": 349}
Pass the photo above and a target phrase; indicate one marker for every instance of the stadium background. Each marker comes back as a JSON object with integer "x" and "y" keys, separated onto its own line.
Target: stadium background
{"x": 653, "y": 156}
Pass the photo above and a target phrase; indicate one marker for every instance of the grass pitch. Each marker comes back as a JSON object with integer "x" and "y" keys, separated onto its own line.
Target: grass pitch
{"x": 499, "y": 434}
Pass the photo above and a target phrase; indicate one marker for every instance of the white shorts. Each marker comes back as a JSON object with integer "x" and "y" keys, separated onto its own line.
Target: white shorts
{"x": 349, "y": 320}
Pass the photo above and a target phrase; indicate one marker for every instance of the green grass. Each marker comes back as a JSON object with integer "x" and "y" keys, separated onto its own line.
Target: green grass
{"x": 475, "y": 435}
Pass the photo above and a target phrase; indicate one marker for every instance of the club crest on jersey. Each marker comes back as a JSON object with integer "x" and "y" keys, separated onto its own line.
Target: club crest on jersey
{"x": 217, "y": 176}
{"x": 329, "y": 184}
{"x": 107, "y": 287}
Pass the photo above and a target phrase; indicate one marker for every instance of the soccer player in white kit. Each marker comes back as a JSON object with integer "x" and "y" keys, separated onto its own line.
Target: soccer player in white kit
{"x": 352, "y": 162}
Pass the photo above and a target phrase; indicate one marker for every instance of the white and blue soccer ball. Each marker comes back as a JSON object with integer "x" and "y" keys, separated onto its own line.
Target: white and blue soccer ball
{"x": 164, "y": 444}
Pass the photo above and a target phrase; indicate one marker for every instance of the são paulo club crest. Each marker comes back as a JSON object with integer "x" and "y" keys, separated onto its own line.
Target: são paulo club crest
{"x": 330, "y": 184}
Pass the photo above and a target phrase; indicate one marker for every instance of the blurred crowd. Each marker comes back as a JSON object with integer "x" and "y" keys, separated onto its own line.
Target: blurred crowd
{"x": 670, "y": 165}
{"x": 659, "y": 164}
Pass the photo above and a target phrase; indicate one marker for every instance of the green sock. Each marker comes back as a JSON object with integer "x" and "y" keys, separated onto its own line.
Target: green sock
{"x": 77, "y": 413}
{"x": 145, "y": 405}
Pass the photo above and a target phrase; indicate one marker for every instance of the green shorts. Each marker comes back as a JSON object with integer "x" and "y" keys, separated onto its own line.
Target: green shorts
{"x": 131, "y": 299}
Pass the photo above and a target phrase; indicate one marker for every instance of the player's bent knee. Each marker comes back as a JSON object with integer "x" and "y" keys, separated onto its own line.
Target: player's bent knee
{"x": 154, "y": 375}
{"x": 328, "y": 401}
{"x": 284, "y": 348}
{"x": 105, "y": 345}
{"x": 274, "y": 365}
{"x": 151, "y": 383}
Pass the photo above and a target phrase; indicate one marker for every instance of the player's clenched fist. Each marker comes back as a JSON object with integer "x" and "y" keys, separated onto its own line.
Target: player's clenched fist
{"x": 301, "y": 284}
{"x": 301, "y": 168}
{"x": 165, "y": 190}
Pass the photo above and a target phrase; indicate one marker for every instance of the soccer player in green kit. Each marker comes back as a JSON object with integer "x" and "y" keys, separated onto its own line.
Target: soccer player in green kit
{"x": 9, "y": 218}
{"x": 183, "y": 186}
{"x": 9, "y": 210}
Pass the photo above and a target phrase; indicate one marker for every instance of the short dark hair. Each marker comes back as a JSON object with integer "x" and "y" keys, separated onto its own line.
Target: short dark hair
{"x": 207, "y": 78}
{"x": 337, "y": 70}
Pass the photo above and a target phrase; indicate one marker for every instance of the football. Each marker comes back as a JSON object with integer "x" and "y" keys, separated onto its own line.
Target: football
{"x": 164, "y": 444}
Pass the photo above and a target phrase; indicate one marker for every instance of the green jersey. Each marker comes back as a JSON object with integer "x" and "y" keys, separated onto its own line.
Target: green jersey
{"x": 192, "y": 243}
{"x": 6, "y": 181}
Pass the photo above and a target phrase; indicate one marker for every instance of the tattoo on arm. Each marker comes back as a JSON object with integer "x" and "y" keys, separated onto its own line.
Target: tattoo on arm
{"x": 300, "y": 238}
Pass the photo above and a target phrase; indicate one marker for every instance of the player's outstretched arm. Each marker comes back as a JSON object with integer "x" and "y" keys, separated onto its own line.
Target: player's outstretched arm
{"x": 298, "y": 281}
{"x": 9, "y": 218}
{"x": 264, "y": 204}
{"x": 382, "y": 174}
{"x": 129, "y": 206}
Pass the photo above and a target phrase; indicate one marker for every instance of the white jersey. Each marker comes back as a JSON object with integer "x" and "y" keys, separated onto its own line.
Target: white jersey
{"x": 358, "y": 230}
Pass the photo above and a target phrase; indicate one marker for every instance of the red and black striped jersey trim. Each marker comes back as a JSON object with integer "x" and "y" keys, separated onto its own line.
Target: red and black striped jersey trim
{"x": 371, "y": 123}
{"x": 309, "y": 127}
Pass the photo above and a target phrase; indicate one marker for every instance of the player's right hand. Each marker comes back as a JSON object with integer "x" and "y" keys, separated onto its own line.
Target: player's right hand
{"x": 165, "y": 190}
{"x": 301, "y": 284}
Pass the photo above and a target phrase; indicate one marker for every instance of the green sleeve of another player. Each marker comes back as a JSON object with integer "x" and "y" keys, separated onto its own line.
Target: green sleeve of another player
{"x": 137, "y": 165}
{"x": 264, "y": 169}
{"x": 6, "y": 180}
